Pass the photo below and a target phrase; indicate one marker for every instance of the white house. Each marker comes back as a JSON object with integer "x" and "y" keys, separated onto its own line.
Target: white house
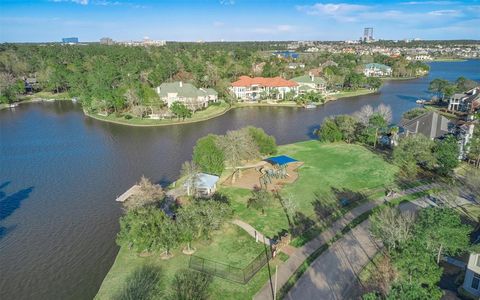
{"x": 377, "y": 70}
{"x": 311, "y": 82}
{"x": 471, "y": 283}
{"x": 467, "y": 102}
{"x": 186, "y": 93}
{"x": 253, "y": 89}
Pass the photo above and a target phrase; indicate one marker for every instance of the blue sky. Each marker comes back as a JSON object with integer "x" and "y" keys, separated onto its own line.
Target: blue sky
{"x": 182, "y": 20}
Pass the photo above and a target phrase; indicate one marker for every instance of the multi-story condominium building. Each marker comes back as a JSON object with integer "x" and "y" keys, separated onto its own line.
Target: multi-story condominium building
{"x": 309, "y": 83}
{"x": 258, "y": 88}
{"x": 377, "y": 70}
{"x": 467, "y": 102}
{"x": 187, "y": 94}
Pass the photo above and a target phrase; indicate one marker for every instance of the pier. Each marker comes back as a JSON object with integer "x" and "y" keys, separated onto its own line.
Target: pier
{"x": 131, "y": 191}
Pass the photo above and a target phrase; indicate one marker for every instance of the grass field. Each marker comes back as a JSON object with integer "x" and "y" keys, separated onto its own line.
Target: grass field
{"x": 231, "y": 246}
{"x": 328, "y": 170}
{"x": 210, "y": 112}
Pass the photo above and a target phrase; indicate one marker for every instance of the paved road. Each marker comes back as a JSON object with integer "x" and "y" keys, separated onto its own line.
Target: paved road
{"x": 286, "y": 270}
{"x": 333, "y": 275}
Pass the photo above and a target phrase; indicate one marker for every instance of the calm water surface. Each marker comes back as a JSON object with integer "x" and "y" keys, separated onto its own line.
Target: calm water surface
{"x": 61, "y": 171}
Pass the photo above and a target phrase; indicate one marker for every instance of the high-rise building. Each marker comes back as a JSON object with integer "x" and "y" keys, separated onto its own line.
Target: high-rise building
{"x": 368, "y": 34}
{"x": 70, "y": 40}
{"x": 106, "y": 41}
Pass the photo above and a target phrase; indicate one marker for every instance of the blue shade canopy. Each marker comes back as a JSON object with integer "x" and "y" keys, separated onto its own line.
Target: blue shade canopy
{"x": 281, "y": 160}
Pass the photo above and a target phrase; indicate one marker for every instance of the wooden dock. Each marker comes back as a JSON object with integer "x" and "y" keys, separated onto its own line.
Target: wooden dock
{"x": 131, "y": 191}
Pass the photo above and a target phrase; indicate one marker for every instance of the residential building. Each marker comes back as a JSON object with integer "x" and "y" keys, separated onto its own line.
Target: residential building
{"x": 309, "y": 83}
{"x": 106, "y": 41}
{"x": 254, "y": 89}
{"x": 368, "y": 35}
{"x": 431, "y": 124}
{"x": 468, "y": 102}
{"x": 70, "y": 40}
{"x": 471, "y": 283}
{"x": 377, "y": 70}
{"x": 187, "y": 94}
{"x": 294, "y": 66}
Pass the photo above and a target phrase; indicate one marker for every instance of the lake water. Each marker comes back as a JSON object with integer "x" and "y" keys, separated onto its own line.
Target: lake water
{"x": 61, "y": 171}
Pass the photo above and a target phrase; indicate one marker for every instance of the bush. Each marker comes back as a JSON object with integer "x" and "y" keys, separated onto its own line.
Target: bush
{"x": 413, "y": 113}
{"x": 266, "y": 143}
{"x": 144, "y": 284}
{"x": 128, "y": 117}
{"x": 329, "y": 131}
{"x": 191, "y": 285}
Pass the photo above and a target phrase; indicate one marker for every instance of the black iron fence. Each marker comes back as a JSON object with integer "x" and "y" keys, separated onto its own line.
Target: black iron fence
{"x": 228, "y": 272}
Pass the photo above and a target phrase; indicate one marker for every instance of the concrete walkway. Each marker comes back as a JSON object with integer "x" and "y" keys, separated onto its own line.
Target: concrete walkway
{"x": 334, "y": 274}
{"x": 258, "y": 236}
{"x": 287, "y": 269}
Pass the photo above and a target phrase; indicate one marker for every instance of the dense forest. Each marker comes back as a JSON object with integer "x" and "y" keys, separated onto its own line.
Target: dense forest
{"x": 119, "y": 78}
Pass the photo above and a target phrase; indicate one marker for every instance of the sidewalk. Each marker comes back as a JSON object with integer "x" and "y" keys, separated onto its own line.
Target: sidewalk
{"x": 288, "y": 268}
{"x": 259, "y": 237}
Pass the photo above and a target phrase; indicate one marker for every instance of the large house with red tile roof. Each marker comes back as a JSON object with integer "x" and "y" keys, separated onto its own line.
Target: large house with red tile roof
{"x": 259, "y": 88}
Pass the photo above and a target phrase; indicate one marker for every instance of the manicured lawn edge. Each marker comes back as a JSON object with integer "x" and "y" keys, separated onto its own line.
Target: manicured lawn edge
{"x": 354, "y": 223}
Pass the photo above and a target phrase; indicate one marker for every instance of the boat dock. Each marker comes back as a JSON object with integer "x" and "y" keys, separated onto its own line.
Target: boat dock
{"x": 124, "y": 197}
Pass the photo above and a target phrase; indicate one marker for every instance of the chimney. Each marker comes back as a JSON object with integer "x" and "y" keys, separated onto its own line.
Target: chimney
{"x": 181, "y": 84}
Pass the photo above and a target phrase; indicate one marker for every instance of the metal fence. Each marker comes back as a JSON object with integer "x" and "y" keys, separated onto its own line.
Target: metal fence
{"x": 228, "y": 272}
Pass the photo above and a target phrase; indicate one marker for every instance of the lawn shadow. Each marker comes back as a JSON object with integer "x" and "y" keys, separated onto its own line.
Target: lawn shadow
{"x": 301, "y": 223}
{"x": 143, "y": 283}
{"x": 311, "y": 131}
{"x": 9, "y": 204}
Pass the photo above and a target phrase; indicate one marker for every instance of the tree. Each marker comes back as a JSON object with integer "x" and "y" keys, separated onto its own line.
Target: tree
{"x": 329, "y": 131}
{"x": 190, "y": 172}
{"x": 238, "y": 146}
{"x": 413, "y": 290}
{"x": 148, "y": 194}
{"x": 208, "y": 156}
{"x": 442, "y": 231}
{"x": 259, "y": 199}
{"x": 437, "y": 86}
{"x": 147, "y": 229}
{"x": 180, "y": 110}
{"x": 364, "y": 114}
{"x": 347, "y": 126}
{"x": 374, "y": 83}
{"x": 144, "y": 283}
{"x": 266, "y": 143}
{"x": 189, "y": 227}
{"x": 413, "y": 152}
{"x": 391, "y": 226}
{"x": 379, "y": 124}
{"x": 446, "y": 153}
{"x": 189, "y": 285}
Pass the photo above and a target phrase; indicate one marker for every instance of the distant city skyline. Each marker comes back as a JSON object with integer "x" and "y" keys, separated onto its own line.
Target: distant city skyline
{"x": 235, "y": 20}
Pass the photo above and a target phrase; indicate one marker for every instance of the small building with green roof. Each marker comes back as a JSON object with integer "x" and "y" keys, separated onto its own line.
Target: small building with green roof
{"x": 308, "y": 83}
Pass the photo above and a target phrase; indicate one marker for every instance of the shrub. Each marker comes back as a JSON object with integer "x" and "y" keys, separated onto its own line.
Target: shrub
{"x": 208, "y": 156}
{"x": 189, "y": 285}
{"x": 266, "y": 143}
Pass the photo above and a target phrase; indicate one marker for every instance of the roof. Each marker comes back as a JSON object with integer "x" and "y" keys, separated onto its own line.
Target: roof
{"x": 182, "y": 89}
{"x": 207, "y": 181}
{"x": 210, "y": 91}
{"x": 431, "y": 125}
{"x": 377, "y": 66}
{"x": 263, "y": 81}
{"x": 281, "y": 160}
{"x": 309, "y": 79}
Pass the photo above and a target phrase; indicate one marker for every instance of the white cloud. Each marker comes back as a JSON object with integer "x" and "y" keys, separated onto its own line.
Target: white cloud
{"x": 227, "y": 2}
{"x": 82, "y": 2}
{"x": 339, "y": 11}
{"x": 445, "y": 12}
{"x": 274, "y": 30}
{"x": 429, "y": 3}
{"x": 218, "y": 24}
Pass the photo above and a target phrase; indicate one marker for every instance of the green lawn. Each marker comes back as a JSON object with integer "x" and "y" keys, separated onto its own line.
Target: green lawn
{"x": 345, "y": 167}
{"x": 231, "y": 246}
{"x": 202, "y": 115}
{"x": 344, "y": 94}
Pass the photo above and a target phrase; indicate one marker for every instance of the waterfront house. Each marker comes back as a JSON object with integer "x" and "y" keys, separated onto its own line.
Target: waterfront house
{"x": 471, "y": 283}
{"x": 257, "y": 88}
{"x": 311, "y": 82}
{"x": 186, "y": 93}
{"x": 467, "y": 102}
{"x": 431, "y": 124}
{"x": 377, "y": 70}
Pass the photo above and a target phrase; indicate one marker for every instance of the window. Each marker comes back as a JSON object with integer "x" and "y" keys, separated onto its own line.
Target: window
{"x": 475, "y": 281}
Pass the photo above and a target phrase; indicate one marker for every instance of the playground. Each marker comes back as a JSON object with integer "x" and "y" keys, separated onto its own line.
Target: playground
{"x": 272, "y": 174}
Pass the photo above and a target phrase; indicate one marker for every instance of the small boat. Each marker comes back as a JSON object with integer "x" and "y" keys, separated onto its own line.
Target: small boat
{"x": 74, "y": 100}
{"x": 310, "y": 106}
{"x": 421, "y": 101}
{"x": 13, "y": 105}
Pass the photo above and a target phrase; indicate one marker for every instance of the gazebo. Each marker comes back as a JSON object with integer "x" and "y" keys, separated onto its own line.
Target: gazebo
{"x": 280, "y": 160}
